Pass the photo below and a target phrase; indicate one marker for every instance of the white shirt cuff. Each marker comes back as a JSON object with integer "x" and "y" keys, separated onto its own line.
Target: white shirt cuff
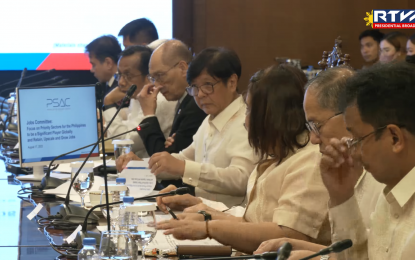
{"x": 191, "y": 173}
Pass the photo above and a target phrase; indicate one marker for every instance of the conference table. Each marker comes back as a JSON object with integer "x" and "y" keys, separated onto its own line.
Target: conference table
{"x": 21, "y": 238}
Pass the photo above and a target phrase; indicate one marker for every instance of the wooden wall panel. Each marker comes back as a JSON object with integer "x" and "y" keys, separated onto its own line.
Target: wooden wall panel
{"x": 260, "y": 30}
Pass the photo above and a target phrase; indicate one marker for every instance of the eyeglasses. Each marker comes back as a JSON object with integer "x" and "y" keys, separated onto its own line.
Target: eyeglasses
{"x": 315, "y": 127}
{"x": 127, "y": 77}
{"x": 352, "y": 143}
{"x": 206, "y": 88}
{"x": 160, "y": 76}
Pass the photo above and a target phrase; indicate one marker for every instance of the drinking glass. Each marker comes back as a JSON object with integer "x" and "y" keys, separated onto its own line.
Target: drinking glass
{"x": 114, "y": 245}
{"x": 114, "y": 215}
{"x": 141, "y": 226}
{"x": 82, "y": 184}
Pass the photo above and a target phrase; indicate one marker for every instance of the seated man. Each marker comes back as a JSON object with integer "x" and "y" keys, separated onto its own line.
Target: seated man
{"x": 168, "y": 67}
{"x": 103, "y": 55}
{"x": 220, "y": 159}
{"x": 133, "y": 69}
{"x": 138, "y": 32}
{"x": 370, "y": 46}
{"x": 286, "y": 195}
{"x": 377, "y": 110}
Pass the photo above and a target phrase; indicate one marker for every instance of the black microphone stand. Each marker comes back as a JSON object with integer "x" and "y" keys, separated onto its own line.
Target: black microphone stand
{"x": 100, "y": 92}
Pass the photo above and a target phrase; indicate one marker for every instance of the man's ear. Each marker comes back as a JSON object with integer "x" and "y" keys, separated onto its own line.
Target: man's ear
{"x": 232, "y": 83}
{"x": 108, "y": 63}
{"x": 183, "y": 66}
{"x": 397, "y": 138}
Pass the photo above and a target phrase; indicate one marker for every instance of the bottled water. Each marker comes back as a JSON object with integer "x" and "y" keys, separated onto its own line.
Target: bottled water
{"x": 89, "y": 252}
{"x": 123, "y": 218}
{"x": 122, "y": 181}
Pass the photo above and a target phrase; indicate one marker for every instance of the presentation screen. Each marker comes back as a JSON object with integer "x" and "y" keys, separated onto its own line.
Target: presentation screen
{"x": 50, "y": 34}
{"x": 54, "y": 121}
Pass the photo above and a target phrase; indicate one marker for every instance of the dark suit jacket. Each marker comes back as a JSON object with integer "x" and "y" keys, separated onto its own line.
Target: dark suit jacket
{"x": 186, "y": 123}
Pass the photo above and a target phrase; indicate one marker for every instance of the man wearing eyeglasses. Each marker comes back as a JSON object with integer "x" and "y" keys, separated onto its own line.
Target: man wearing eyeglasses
{"x": 377, "y": 107}
{"x": 168, "y": 67}
{"x": 133, "y": 69}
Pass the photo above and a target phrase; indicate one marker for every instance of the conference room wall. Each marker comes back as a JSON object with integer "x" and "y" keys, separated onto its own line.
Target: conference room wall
{"x": 260, "y": 30}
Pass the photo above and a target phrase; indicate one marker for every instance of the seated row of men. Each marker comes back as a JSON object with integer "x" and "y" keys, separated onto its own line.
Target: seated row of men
{"x": 311, "y": 184}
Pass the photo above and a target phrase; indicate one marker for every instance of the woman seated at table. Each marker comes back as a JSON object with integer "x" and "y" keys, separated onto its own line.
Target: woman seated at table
{"x": 286, "y": 195}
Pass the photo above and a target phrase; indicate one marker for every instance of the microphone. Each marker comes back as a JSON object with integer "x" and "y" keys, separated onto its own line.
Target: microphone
{"x": 284, "y": 251}
{"x": 42, "y": 81}
{"x": 68, "y": 209}
{"x": 58, "y": 83}
{"x": 334, "y": 248}
{"x": 129, "y": 93}
{"x": 31, "y": 76}
{"x": 84, "y": 233}
{"x": 266, "y": 255}
{"x": 9, "y": 119}
{"x": 21, "y": 77}
{"x": 51, "y": 183}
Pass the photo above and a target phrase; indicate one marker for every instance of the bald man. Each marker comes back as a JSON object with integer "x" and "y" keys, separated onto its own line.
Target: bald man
{"x": 168, "y": 68}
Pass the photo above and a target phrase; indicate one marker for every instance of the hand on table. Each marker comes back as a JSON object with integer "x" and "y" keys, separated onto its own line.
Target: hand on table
{"x": 165, "y": 162}
{"x": 176, "y": 202}
{"x": 124, "y": 159}
{"x": 184, "y": 229}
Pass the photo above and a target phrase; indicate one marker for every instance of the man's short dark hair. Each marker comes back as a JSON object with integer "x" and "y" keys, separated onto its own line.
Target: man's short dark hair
{"x": 375, "y": 34}
{"x": 384, "y": 94}
{"x": 328, "y": 84}
{"x": 145, "y": 54}
{"x": 219, "y": 63}
{"x": 103, "y": 47}
{"x": 133, "y": 28}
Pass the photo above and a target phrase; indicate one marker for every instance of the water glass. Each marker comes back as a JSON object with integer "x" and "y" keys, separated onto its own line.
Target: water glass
{"x": 114, "y": 245}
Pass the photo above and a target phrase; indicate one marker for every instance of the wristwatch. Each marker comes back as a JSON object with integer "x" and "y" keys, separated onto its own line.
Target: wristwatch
{"x": 324, "y": 257}
{"x": 207, "y": 215}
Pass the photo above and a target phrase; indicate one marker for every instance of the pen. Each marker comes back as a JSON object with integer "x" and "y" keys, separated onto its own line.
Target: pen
{"x": 171, "y": 213}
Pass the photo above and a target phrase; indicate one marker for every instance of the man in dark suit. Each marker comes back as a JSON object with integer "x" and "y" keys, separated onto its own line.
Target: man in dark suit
{"x": 168, "y": 69}
{"x": 103, "y": 55}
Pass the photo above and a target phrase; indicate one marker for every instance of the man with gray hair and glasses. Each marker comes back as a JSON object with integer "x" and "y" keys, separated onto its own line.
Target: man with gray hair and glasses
{"x": 167, "y": 76}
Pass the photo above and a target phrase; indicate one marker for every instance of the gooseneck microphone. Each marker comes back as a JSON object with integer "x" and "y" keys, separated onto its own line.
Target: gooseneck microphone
{"x": 75, "y": 210}
{"x": 50, "y": 182}
{"x": 284, "y": 251}
{"x": 334, "y": 248}
{"x": 84, "y": 233}
{"x": 42, "y": 81}
{"x": 31, "y": 76}
{"x": 265, "y": 256}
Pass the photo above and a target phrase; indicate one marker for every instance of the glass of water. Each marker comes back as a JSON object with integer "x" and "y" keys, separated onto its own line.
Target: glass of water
{"x": 114, "y": 245}
{"x": 141, "y": 225}
{"x": 85, "y": 179}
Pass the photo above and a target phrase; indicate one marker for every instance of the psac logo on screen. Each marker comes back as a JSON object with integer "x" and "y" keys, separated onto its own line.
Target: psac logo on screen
{"x": 391, "y": 19}
{"x": 58, "y": 103}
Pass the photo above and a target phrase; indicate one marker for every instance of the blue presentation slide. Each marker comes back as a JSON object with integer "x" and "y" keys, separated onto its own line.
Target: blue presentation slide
{"x": 53, "y": 121}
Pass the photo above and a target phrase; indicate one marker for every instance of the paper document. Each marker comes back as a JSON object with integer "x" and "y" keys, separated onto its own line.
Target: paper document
{"x": 139, "y": 179}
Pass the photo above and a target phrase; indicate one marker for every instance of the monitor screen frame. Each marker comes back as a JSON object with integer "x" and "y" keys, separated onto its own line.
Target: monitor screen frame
{"x": 94, "y": 156}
